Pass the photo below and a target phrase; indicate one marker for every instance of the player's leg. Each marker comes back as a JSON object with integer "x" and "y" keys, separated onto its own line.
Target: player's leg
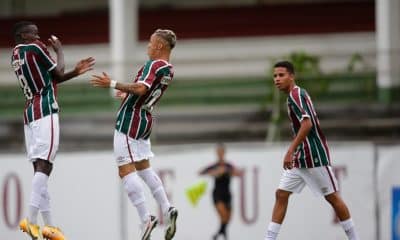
{"x": 290, "y": 182}
{"x": 343, "y": 213}
{"x": 41, "y": 138}
{"x": 153, "y": 181}
{"x": 132, "y": 183}
{"x": 322, "y": 181}
{"x": 224, "y": 214}
{"x": 39, "y": 186}
{"x": 53, "y": 139}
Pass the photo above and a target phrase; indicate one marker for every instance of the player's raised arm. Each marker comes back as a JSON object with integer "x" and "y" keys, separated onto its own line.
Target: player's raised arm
{"x": 105, "y": 81}
{"x": 58, "y": 72}
{"x": 81, "y": 67}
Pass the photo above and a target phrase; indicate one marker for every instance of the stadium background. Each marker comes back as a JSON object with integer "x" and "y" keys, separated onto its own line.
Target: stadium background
{"x": 222, "y": 92}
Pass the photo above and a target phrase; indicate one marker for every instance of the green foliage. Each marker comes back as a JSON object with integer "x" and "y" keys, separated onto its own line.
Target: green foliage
{"x": 304, "y": 63}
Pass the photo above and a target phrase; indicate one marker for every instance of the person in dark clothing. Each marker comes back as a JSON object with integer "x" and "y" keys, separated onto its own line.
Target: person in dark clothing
{"x": 222, "y": 171}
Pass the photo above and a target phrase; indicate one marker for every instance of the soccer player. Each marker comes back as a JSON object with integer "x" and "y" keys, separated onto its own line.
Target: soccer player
{"x": 132, "y": 147}
{"x": 38, "y": 74}
{"x": 307, "y": 161}
{"x": 222, "y": 171}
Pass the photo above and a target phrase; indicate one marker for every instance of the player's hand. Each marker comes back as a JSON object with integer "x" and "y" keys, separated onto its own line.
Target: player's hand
{"x": 288, "y": 161}
{"x": 120, "y": 94}
{"x": 220, "y": 170}
{"x": 55, "y": 43}
{"x": 101, "y": 81}
{"x": 85, "y": 65}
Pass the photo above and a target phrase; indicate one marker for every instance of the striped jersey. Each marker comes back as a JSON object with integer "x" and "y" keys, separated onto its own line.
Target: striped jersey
{"x": 313, "y": 151}
{"x": 32, "y": 64}
{"x": 134, "y": 116}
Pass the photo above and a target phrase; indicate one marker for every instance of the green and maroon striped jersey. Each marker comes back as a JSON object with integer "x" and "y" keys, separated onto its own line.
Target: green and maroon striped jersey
{"x": 313, "y": 151}
{"x": 134, "y": 116}
{"x": 32, "y": 64}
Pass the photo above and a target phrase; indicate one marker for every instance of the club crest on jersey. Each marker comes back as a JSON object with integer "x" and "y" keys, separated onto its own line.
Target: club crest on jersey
{"x": 166, "y": 80}
{"x": 16, "y": 64}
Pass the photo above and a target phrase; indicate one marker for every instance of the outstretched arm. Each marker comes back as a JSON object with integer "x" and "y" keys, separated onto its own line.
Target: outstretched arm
{"x": 237, "y": 172}
{"x": 81, "y": 67}
{"x": 214, "y": 171}
{"x": 105, "y": 81}
{"x": 305, "y": 128}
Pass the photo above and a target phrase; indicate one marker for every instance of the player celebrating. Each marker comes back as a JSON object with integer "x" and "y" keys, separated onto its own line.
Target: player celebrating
{"x": 38, "y": 75}
{"x": 307, "y": 161}
{"x": 132, "y": 146}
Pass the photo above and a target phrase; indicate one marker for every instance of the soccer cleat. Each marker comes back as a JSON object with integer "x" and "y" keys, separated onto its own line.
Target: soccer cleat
{"x": 171, "y": 217}
{"x": 32, "y": 230}
{"x": 148, "y": 227}
{"x": 52, "y": 233}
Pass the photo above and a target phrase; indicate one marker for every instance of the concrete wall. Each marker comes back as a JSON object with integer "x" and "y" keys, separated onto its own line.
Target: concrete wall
{"x": 85, "y": 193}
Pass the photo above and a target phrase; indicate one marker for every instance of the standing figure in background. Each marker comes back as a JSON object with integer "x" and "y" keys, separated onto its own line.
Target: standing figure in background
{"x": 307, "y": 161}
{"x": 132, "y": 147}
{"x": 222, "y": 171}
{"x": 38, "y": 75}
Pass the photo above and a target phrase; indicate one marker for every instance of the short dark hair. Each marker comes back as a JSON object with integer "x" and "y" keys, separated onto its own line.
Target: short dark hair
{"x": 168, "y": 35}
{"x": 285, "y": 64}
{"x": 19, "y": 27}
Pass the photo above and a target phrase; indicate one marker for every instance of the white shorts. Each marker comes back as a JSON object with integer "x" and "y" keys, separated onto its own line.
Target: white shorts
{"x": 320, "y": 180}
{"x": 128, "y": 150}
{"x": 42, "y": 138}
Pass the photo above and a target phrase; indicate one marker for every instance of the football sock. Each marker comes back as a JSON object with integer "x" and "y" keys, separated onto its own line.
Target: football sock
{"x": 152, "y": 180}
{"x": 45, "y": 208}
{"x": 134, "y": 189}
{"x": 272, "y": 231}
{"x": 46, "y": 216}
{"x": 348, "y": 227}
{"x": 39, "y": 182}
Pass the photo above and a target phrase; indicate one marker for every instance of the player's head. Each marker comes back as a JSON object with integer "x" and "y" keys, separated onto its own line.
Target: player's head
{"x": 25, "y": 32}
{"x": 221, "y": 151}
{"x": 162, "y": 41}
{"x": 284, "y": 75}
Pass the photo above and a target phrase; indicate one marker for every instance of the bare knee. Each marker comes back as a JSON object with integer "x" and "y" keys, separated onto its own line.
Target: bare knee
{"x": 282, "y": 195}
{"x": 334, "y": 198}
{"x": 43, "y": 166}
{"x": 126, "y": 169}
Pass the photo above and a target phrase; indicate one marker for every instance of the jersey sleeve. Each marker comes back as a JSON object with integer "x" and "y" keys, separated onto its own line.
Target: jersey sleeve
{"x": 207, "y": 169}
{"x": 44, "y": 57}
{"x": 151, "y": 71}
{"x": 298, "y": 104}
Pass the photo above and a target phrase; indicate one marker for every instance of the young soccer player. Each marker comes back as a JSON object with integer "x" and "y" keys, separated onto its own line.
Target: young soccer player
{"x": 307, "y": 161}
{"x": 38, "y": 75}
{"x": 132, "y": 146}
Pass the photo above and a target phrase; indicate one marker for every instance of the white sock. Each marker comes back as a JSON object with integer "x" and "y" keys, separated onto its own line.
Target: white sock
{"x": 45, "y": 208}
{"x": 272, "y": 231}
{"x": 152, "y": 180}
{"x": 39, "y": 181}
{"x": 47, "y": 219}
{"x": 348, "y": 227}
{"x": 134, "y": 189}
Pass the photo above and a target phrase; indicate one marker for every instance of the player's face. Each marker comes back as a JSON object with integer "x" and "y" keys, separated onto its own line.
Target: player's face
{"x": 153, "y": 47}
{"x": 30, "y": 33}
{"x": 283, "y": 79}
{"x": 221, "y": 153}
